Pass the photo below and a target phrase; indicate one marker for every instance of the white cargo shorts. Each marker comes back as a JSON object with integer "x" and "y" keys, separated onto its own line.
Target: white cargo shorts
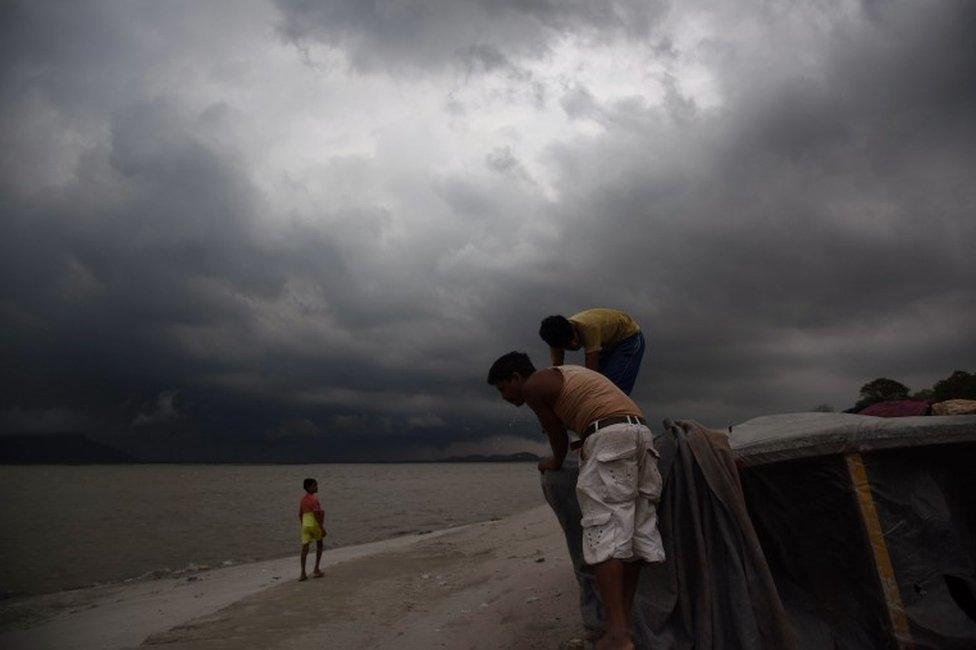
{"x": 618, "y": 490}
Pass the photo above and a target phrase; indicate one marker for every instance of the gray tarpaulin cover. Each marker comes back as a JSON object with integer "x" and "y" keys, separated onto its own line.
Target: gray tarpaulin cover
{"x": 808, "y": 514}
{"x": 714, "y": 590}
{"x": 773, "y": 438}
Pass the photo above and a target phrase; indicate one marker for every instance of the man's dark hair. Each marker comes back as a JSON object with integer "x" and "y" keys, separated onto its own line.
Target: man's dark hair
{"x": 557, "y": 331}
{"x": 309, "y": 482}
{"x": 508, "y": 365}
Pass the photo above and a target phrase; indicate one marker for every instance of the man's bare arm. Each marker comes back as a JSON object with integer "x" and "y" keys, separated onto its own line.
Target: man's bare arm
{"x": 557, "y": 356}
{"x": 593, "y": 360}
{"x": 540, "y": 393}
{"x": 556, "y": 432}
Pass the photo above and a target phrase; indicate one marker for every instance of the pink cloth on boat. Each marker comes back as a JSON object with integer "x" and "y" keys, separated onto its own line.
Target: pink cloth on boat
{"x": 897, "y": 408}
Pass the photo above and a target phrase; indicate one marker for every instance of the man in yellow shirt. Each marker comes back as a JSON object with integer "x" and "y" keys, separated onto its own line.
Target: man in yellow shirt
{"x": 612, "y": 342}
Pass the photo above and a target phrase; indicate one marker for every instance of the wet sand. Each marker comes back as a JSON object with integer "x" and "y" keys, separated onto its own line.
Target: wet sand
{"x": 498, "y": 584}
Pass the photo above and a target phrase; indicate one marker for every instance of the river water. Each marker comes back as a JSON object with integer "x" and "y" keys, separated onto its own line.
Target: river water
{"x": 68, "y": 526}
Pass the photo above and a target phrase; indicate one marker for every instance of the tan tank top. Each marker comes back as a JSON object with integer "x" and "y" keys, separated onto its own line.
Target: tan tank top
{"x": 588, "y": 396}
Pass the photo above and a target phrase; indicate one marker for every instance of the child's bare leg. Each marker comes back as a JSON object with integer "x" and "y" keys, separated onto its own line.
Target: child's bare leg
{"x": 318, "y": 559}
{"x": 304, "y": 556}
{"x": 610, "y": 580}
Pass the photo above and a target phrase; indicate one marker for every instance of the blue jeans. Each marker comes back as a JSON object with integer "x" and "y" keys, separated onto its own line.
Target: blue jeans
{"x": 620, "y": 363}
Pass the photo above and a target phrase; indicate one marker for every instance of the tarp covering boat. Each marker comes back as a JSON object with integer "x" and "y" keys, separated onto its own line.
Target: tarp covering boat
{"x": 714, "y": 590}
{"x": 774, "y": 438}
{"x": 868, "y": 525}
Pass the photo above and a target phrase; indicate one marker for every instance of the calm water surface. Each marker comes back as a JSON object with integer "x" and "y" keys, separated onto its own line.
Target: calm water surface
{"x": 63, "y": 527}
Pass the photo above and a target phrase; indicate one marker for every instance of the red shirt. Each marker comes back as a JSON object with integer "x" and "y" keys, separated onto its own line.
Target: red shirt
{"x": 310, "y": 503}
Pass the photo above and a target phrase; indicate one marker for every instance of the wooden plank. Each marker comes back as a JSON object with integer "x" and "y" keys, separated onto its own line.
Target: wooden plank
{"x": 882, "y": 560}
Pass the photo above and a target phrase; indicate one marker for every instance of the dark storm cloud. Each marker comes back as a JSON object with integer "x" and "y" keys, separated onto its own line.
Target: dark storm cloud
{"x": 437, "y": 33}
{"x": 140, "y": 290}
{"x": 819, "y": 227}
{"x": 103, "y": 270}
{"x": 811, "y": 232}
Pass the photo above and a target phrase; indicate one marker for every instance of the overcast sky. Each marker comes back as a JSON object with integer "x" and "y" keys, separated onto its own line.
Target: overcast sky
{"x": 230, "y": 229}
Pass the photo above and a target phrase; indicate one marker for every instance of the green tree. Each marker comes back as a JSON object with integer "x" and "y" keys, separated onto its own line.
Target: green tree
{"x": 958, "y": 385}
{"x": 924, "y": 394}
{"x": 881, "y": 389}
{"x": 823, "y": 408}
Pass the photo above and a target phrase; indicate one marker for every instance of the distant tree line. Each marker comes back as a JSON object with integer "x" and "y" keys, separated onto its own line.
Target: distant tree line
{"x": 958, "y": 385}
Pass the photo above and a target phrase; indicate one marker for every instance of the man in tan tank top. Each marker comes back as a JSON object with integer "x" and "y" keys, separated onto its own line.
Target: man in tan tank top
{"x": 619, "y": 484}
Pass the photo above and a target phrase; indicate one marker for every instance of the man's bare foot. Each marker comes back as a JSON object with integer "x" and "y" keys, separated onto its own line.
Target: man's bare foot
{"x": 303, "y": 578}
{"x": 318, "y": 573}
{"x": 615, "y": 640}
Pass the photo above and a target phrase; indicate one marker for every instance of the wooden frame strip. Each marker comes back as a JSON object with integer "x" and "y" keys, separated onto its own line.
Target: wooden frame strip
{"x": 882, "y": 560}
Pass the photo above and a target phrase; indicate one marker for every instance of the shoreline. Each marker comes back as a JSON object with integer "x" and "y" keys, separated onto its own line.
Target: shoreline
{"x": 476, "y": 458}
{"x": 434, "y": 571}
{"x": 193, "y": 569}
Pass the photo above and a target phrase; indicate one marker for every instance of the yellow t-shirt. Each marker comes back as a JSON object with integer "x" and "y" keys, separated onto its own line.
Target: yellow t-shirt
{"x": 600, "y": 328}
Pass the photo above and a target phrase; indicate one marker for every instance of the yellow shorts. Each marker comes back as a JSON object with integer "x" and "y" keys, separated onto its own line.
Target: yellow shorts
{"x": 311, "y": 531}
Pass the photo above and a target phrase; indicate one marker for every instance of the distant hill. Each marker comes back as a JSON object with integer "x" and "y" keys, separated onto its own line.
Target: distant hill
{"x": 520, "y": 457}
{"x": 39, "y": 448}
{"x": 58, "y": 448}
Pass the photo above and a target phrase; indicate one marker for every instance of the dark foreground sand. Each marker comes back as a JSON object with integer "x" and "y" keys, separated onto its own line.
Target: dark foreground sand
{"x": 498, "y": 584}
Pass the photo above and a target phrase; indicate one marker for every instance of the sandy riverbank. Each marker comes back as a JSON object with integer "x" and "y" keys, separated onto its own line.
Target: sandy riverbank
{"x": 498, "y": 584}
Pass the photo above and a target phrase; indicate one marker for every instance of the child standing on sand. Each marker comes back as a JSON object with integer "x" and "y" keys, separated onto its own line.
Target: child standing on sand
{"x": 312, "y": 518}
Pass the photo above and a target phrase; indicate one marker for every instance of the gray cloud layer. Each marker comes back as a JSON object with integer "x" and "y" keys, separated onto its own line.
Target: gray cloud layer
{"x": 478, "y": 34}
{"x": 811, "y": 231}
